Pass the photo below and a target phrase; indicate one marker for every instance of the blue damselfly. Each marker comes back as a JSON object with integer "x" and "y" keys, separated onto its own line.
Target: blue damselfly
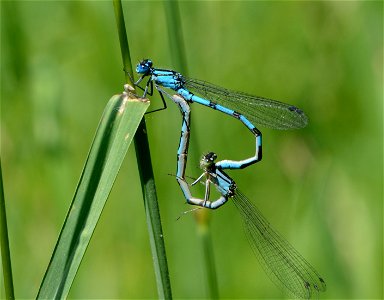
{"x": 250, "y": 110}
{"x": 284, "y": 265}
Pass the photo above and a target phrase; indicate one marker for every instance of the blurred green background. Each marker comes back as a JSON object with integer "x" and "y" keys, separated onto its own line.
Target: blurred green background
{"x": 321, "y": 187}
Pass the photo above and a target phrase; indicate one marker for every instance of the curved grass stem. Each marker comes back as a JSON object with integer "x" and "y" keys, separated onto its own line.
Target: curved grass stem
{"x": 4, "y": 246}
{"x": 146, "y": 175}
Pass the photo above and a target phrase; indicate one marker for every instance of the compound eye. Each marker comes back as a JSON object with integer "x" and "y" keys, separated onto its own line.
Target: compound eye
{"x": 146, "y": 63}
{"x": 211, "y": 156}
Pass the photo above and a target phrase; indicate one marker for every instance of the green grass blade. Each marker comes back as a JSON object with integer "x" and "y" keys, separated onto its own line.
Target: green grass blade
{"x": 4, "y": 245}
{"x": 146, "y": 175}
{"x": 123, "y": 38}
{"x": 152, "y": 214}
{"x": 115, "y": 132}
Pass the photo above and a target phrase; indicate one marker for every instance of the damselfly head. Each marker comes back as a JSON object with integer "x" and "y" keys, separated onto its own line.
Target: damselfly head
{"x": 208, "y": 161}
{"x": 144, "y": 67}
{"x": 211, "y": 156}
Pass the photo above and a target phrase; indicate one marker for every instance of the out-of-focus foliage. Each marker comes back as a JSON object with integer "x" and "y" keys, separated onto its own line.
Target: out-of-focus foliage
{"x": 321, "y": 187}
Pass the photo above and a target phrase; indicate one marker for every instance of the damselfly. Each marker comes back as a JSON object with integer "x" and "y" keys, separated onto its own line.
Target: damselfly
{"x": 283, "y": 264}
{"x": 182, "y": 157}
{"x": 250, "y": 110}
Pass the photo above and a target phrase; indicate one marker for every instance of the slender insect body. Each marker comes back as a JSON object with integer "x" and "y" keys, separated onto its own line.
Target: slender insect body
{"x": 282, "y": 263}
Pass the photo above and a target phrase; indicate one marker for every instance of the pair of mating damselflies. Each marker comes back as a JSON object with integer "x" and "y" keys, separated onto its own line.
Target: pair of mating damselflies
{"x": 283, "y": 264}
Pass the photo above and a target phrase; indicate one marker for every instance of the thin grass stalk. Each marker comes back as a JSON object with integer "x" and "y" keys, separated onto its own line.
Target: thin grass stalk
{"x": 146, "y": 175}
{"x": 179, "y": 61}
{"x": 123, "y": 38}
{"x": 175, "y": 36}
{"x": 204, "y": 230}
{"x": 4, "y": 243}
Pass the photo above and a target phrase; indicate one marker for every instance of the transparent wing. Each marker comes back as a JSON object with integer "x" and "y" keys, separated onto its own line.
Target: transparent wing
{"x": 258, "y": 110}
{"x": 283, "y": 264}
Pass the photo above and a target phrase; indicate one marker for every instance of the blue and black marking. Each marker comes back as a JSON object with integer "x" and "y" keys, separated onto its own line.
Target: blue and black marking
{"x": 182, "y": 156}
{"x": 284, "y": 265}
{"x": 250, "y": 110}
